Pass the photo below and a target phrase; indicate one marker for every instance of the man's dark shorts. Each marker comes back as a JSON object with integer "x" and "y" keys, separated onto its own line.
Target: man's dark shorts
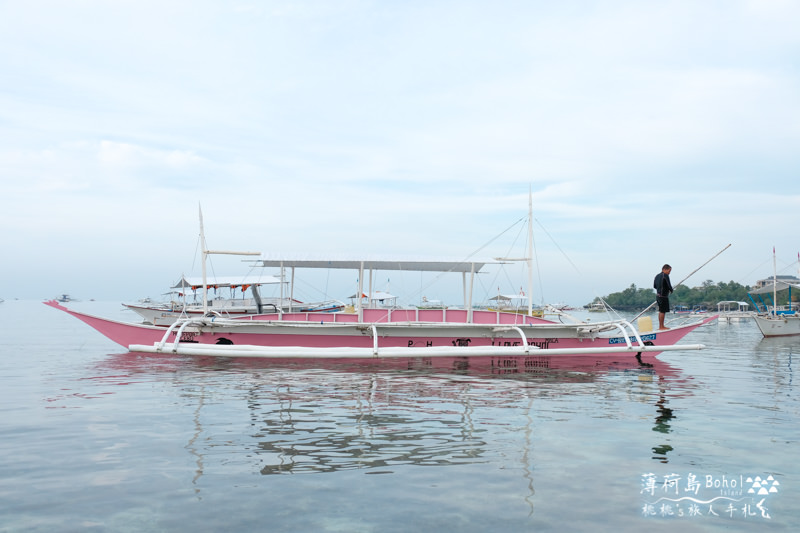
{"x": 663, "y": 304}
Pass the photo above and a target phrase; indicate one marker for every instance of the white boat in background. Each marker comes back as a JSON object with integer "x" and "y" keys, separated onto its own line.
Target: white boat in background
{"x": 734, "y": 311}
{"x": 166, "y": 313}
{"x": 230, "y": 306}
{"x": 778, "y": 325}
{"x": 375, "y": 299}
{"x": 777, "y": 320}
{"x": 431, "y": 304}
{"x": 513, "y": 303}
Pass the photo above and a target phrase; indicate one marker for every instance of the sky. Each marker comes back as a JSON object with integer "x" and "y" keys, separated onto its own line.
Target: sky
{"x": 646, "y": 132}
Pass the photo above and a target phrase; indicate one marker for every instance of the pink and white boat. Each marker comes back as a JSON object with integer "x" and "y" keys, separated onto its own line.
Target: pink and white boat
{"x": 389, "y": 333}
{"x": 499, "y": 337}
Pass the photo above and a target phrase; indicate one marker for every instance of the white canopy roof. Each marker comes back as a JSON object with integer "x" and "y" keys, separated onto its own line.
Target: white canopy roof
{"x": 779, "y": 286}
{"x": 225, "y": 281}
{"x": 415, "y": 264}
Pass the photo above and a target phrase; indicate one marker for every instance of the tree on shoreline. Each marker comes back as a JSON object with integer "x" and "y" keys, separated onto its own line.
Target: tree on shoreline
{"x": 708, "y": 294}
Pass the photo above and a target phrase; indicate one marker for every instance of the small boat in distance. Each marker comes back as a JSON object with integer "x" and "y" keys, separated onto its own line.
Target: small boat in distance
{"x": 513, "y": 303}
{"x": 166, "y": 313}
{"x": 431, "y": 304}
{"x": 777, "y": 320}
{"x": 733, "y": 311}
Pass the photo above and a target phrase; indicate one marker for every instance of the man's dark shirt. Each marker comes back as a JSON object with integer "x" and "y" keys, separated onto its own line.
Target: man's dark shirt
{"x": 662, "y": 284}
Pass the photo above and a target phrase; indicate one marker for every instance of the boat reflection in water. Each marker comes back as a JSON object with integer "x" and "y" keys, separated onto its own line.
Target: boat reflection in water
{"x": 297, "y": 418}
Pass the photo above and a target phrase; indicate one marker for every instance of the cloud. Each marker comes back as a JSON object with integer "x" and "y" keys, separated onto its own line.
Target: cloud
{"x": 648, "y": 132}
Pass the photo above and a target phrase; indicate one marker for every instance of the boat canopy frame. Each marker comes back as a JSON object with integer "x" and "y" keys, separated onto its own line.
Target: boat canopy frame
{"x": 464, "y": 267}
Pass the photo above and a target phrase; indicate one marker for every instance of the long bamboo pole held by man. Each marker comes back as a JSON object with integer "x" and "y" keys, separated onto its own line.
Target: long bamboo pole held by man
{"x": 681, "y": 281}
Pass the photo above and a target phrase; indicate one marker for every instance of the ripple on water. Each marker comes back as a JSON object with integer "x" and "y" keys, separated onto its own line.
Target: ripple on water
{"x": 93, "y": 437}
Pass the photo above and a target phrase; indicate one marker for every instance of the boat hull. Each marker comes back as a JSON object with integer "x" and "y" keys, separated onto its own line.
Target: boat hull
{"x": 326, "y": 338}
{"x": 778, "y": 326}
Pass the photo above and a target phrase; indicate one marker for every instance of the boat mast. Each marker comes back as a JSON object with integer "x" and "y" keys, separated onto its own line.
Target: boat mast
{"x": 207, "y": 252}
{"x": 360, "y": 294}
{"x": 530, "y": 252}
{"x": 774, "y": 284}
{"x": 529, "y": 256}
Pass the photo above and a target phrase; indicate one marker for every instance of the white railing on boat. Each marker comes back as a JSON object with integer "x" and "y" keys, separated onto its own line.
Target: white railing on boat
{"x": 402, "y": 315}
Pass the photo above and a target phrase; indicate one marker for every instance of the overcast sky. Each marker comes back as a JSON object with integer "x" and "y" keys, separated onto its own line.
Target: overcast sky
{"x": 649, "y": 132}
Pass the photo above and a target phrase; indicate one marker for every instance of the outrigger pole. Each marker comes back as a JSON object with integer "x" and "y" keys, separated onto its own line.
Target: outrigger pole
{"x": 681, "y": 281}
{"x": 392, "y": 352}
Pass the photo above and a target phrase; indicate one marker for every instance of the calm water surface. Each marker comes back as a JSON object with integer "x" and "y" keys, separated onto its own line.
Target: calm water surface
{"x": 96, "y": 439}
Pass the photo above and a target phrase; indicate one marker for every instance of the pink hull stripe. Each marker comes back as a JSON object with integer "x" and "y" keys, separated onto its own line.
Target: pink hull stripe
{"x": 315, "y": 335}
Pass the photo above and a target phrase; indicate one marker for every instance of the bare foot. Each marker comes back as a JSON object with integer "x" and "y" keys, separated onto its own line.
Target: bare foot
{"x": 663, "y": 329}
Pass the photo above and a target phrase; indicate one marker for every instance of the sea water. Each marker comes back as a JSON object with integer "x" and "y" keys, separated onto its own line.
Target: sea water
{"x": 93, "y": 438}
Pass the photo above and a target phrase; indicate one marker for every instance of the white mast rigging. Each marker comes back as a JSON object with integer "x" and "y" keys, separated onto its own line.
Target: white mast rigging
{"x": 206, "y": 253}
